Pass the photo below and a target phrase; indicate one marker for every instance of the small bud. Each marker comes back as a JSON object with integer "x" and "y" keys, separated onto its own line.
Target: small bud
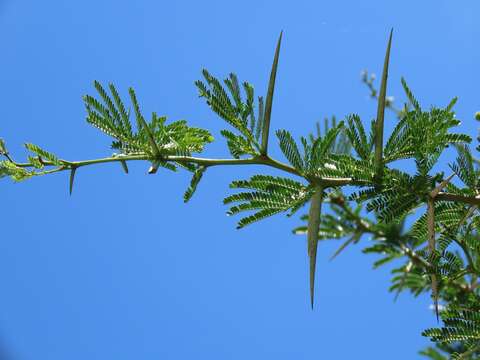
{"x": 153, "y": 169}
{"x": 3, "y": 149}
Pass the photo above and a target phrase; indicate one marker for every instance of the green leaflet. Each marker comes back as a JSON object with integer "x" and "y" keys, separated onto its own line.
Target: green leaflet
{"x": 321, "y": 149}
{"x": 237, "y": 145}
{"x": 44, "y": 154}
{"x": 290, "y": 149}
{"x": 124, "y": 118}
{"x": 36, "y": 162}
{"x": 412, "y": 99}
{"x": 232, "y": 83}
{"x": 260, "y": 215}
{"x": 464, "y": 167}
{"x": 197, "y": 176}
{"x": 399, "y": 144}
{"x": 358, "y": 138}
{"x": 7, "y": 168}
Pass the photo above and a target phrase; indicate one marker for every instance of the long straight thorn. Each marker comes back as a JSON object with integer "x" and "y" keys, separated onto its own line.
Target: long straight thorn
{"x": 72, "y": 178}
{"x": 269, "y": 98}
{"x": 312, "y": 234}
{"x": 379, "y": 124}
{"x": 124, "y": 166}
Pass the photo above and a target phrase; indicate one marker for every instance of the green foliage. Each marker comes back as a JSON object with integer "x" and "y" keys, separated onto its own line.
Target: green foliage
{"x": 155, "y": 139}
{"x": 237, "y": 109}
{"x": 7, "y": 168}
{"x": 458, "y": 351}
{"x": 290, "y": 149}
{"x": 357, "y": 135}
{"x": 465, "y": 170}
{"x": 410, "y": 96}
{"x": 271, "y": 195}
{"x": 421, "y": 136}
{"x": 459, "y": 325}
{"x": 323, "y": 156}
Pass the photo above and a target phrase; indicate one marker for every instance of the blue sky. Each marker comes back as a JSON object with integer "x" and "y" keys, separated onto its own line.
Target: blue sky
{"x": 124, "y": 269}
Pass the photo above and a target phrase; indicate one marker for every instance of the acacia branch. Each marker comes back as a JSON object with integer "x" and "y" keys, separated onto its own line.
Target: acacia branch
{"x": 257, "y": 160}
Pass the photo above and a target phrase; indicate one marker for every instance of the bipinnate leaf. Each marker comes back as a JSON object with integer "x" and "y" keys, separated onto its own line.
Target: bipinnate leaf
{"x": 270, "y": 195}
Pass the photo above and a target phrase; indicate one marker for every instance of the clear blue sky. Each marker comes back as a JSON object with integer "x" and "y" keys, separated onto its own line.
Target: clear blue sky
{"x": 123, "y": 269}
